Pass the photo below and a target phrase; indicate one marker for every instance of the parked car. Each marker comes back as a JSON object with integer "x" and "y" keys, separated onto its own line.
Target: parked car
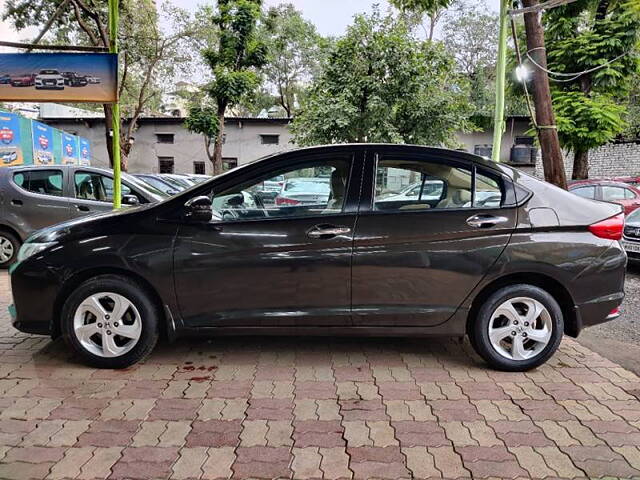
{"x": 33, "y": 197}
{"x": 93, "y": 80}
{"x": 195, "y": 177}
{"x": 159, "y": 182}
{"x": 72, "y": 79}
{"x": 50, "y": 79}
{"x": 268, "y": 190}
{"x": 631, "y": 235}
{"x": 608, "y": 191}
{"x": 430, "y": 190}
{"x": 5, "y": 79}
{"x": 514, "y": 276}
{"x": 23, "y": 80}
{"x": 178, "y": 179}
{"x": 304, "y": 191}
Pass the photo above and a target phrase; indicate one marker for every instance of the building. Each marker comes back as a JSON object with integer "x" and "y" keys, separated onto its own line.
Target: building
{"x": 163, "y": 144}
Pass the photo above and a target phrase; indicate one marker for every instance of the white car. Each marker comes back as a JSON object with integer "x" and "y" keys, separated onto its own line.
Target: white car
{"x": 92, "y": 79}
{"x": 50, "y": 79}
{"x": 432, "y": 190}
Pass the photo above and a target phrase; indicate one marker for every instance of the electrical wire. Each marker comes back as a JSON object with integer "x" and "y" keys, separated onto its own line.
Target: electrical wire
{"x": 573, "y": 75}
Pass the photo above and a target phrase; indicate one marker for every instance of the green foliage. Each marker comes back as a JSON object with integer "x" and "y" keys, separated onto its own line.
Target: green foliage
{"x": 295, "y": 51}
{"x": 587, "y": 121}
{"x": 202, "y": 120}
{"x": 380, "y": 84}
{"x": 583, "y": 35}
{"x": 420, "y": 6}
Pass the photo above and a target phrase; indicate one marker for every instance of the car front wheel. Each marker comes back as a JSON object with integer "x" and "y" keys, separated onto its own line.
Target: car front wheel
{"x": 110, "y": 321}
{"x": 517, "y": 328}
{"x": 9, "y": 246}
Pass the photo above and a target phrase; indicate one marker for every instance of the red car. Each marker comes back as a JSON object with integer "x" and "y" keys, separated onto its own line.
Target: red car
{"x": 23, "y": 80}
{"x": 608, "y": 191}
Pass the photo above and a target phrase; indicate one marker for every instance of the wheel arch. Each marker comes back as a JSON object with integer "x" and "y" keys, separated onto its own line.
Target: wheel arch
{"x": 74, "y": 281}
{"x": 547, "y": 283}
{"x": 7, "y": 228}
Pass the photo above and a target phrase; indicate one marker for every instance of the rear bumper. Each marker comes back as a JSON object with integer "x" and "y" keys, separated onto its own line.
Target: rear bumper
{"x": 597, "y": 311}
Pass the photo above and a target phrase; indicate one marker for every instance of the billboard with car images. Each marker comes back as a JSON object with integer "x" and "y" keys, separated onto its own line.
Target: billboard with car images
{"x": 59, "y": 77}
{"x": 70, "y": 149}
{"x": 42, "y": 144}
{"x": 10, "y": 146}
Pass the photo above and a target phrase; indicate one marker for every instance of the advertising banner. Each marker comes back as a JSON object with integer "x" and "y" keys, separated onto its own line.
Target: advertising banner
{"x": 59, "y": 77}
{"x": 42, "y": 143}
{"x": 10, "y": 148}
{"x": 70, "y": 149}
{"x": 85, "y": 151}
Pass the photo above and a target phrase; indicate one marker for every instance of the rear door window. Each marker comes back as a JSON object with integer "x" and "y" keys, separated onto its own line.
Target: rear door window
{"x": 42, "y": 181}
{"x": 585, "y": 192}
{"x": 610, "y": 193}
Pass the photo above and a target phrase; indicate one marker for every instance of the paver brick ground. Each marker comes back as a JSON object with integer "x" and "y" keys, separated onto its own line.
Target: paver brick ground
{"x": 311, "y": 408}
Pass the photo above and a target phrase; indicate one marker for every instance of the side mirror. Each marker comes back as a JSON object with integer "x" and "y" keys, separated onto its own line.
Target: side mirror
{"x": 198, "y": 209}
{"x": 130, "y": 200}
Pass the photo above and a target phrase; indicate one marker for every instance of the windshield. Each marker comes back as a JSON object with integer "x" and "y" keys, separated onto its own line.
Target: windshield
{"x": 307, "y": 186}
{"x": 151, "y": 191}
{"x": 48, "y": 72}
{"x": 634, "y": 216}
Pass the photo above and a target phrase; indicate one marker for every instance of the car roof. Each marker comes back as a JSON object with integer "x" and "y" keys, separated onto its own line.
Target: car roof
{"x": 21, "y": 168}
{"x": 595, "y": 182}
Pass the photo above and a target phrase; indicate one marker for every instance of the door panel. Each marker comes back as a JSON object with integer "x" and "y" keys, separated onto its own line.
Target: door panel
{"x": 414, "y": 264}
{"x": 264, "y": 272}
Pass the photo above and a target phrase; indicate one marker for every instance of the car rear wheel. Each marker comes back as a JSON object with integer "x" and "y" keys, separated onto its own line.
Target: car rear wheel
{"x": 110, "y": 321}
{"x": 9, "y": 246}
{"x": 519, "y": 327}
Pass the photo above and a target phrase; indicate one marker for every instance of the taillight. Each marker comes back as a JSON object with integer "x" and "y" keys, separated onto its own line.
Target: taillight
{"x": 286, "y": 201}
{"x": 610, "y": 228}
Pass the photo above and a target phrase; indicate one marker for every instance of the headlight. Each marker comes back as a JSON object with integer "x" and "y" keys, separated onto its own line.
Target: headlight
{"x": 29, "y": 249}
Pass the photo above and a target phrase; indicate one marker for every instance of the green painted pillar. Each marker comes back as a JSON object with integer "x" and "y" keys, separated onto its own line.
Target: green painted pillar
{"x": 498, "y": 123}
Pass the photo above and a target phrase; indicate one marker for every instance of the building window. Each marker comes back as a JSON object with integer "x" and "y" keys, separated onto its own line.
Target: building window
{"x": 198, "y": 168}
{"x": 164, "y": 137}
{"x": 270, "y": 139}
{"x": 229, "y": 163}
{"x": 165, "y": 164}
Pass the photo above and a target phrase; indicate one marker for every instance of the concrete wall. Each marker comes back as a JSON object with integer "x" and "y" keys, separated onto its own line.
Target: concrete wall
{"x": 612, "y": 160}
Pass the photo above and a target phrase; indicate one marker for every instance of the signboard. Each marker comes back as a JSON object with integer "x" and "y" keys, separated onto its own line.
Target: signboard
{"x": 42, "y": 143}
{"x": 59, "y": 77}
{"x": 85, "y": 151}
{"x": 70, "y": 149}
{"x": 10, "y": 148}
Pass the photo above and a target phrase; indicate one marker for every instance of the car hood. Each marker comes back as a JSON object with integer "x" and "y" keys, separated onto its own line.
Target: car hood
{"x": 98, "y": 223}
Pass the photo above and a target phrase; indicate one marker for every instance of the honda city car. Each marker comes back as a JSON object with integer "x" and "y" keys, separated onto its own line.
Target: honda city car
{"x": 513, "y": 274}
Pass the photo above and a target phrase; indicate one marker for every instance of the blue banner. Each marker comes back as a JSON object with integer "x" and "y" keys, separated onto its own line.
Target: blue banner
{"x": 70, "y": 149}
{"x": 10, "y": 148}
{"x": 42, "y": 143}
{"x": 85, "y": 151}
{"x": 59, "y": 77}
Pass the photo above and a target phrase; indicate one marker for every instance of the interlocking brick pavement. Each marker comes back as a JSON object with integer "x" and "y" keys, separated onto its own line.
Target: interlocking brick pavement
{"x": 312, "y": 408}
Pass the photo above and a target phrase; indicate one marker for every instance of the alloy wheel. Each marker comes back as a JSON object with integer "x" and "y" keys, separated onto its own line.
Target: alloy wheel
{"x": 107, "y": 324}
{"x": 6, "y": 249}
{"x": 520, "y": 328}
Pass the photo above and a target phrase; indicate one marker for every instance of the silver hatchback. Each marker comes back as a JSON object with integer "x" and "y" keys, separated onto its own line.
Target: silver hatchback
{"x": 34, "y": 197}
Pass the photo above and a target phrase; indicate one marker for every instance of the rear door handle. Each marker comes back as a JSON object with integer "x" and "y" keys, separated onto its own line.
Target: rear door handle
{"x": 485, "y": 221}
{"x": 327, "y": 231}
{"x": 16, "y": 202}
{"x": 82, "y": 208}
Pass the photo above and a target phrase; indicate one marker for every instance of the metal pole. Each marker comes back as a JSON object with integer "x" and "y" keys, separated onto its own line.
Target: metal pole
{"x": 498, "y": 121}
{"x": 115, "y": 125}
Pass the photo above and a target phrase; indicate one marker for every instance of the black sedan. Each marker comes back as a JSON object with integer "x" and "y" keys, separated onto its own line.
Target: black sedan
{"x": 513, "y": 274}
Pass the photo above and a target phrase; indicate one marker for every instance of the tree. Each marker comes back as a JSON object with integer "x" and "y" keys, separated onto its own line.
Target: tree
{"x": 415, "y": 10}
{"x": 294, "y": 52}
{"x": 148, "y": 54}
{"x": 599, "y": 38}
{"x": 380, "y": 84}
{"x": 233, "y": 62}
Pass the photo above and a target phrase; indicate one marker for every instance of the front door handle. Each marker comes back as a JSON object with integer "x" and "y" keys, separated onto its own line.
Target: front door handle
{"x": 328, "y": 231}
{"x": 82, "y": 208}
{"x": 485, "y": 221}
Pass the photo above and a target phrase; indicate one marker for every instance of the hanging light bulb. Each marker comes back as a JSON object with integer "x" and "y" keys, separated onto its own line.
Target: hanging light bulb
{"x": 522, "y": 73}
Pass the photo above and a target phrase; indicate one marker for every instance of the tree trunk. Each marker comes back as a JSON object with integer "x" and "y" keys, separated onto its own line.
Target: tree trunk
{"x": 580, "y": 165}
{"x": 217, "y": 148}
{"x": 552, "y": 159}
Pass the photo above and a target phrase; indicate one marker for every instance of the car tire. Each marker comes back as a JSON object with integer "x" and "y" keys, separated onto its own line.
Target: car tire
{"x": 9, "y": 244}
{"x": 512, "y": 337}
{"x": 129, "y": 331}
